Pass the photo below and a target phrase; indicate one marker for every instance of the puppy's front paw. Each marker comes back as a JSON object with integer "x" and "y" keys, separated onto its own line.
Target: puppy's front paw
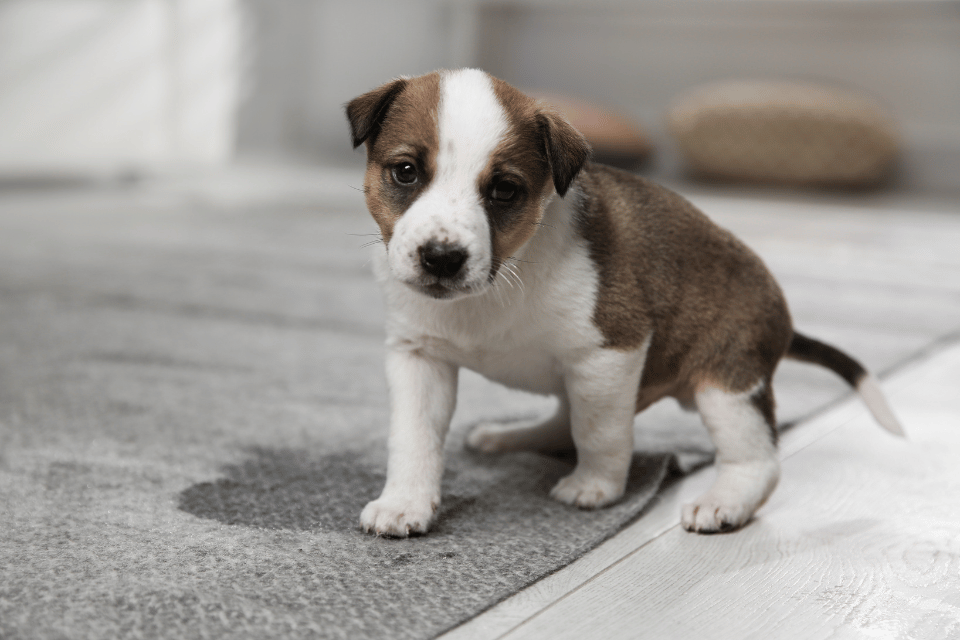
{"x": 398, "y": 517}
{"x": 711, "y": 515}
{"x": 587, "y": 491}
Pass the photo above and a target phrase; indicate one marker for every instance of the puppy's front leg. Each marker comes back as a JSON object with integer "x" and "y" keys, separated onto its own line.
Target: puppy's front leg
{"x": 602, "y": 389}
{"x": 422, "y": 397}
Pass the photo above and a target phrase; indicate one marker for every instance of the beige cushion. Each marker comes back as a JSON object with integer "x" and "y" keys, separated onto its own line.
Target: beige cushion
{"x": 614, "y": 138}
{"x": 786, "y": 132}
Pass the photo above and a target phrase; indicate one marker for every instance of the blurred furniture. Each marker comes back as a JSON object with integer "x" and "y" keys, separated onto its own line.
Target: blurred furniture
{"x": 793, "y": 133}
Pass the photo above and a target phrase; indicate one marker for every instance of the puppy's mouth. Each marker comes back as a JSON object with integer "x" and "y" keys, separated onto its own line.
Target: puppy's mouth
{"x": 439, "y": 290}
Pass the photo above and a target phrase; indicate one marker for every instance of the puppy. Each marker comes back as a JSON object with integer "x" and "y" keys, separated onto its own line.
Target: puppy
{"x": 507, "y": 252}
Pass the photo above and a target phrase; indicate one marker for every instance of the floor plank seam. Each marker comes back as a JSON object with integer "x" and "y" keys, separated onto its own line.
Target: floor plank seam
{"x": 590, "y": 580}
{"x": 918, "y": 358}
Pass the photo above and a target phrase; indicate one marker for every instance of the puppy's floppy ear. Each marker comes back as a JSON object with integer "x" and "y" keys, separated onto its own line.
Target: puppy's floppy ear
{"x": 366, "y": 112}
{"x": 567, "y": 149}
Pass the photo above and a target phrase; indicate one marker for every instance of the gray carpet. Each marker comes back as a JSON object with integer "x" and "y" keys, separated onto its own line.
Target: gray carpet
{"x": 193, "y": 414}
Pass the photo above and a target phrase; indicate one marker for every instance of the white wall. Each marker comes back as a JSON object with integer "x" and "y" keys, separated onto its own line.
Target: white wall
{"x": 115, "y": 83}
{"x": 312, "y": 56}
{"x": 141, "y": 83}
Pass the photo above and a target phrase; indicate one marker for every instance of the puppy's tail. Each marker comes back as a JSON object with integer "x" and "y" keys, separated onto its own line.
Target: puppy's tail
{"x": 815, "y": 352}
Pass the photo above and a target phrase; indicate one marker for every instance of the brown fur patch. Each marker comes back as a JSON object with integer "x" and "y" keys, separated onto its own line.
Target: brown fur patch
{"x": 713, "y": 310}
{"x": 557, "y": 143}
{"x": 521, "y": 157}
{"x": 406, "y": 131}
{"x": 567, "y": 149}
{"x": 526, "y": 154}
{"x": 365, "y": 113}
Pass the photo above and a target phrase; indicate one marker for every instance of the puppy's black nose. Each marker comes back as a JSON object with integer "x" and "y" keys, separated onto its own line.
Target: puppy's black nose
{"x": 441, "y": 259}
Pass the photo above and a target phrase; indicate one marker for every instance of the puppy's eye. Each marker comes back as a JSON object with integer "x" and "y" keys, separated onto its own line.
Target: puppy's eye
{"x": 504, "y": 191}
{"x": 405, "y": 173}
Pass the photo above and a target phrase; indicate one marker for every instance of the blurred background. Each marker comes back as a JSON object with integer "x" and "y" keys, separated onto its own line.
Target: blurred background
{"x": 131, "y": 87}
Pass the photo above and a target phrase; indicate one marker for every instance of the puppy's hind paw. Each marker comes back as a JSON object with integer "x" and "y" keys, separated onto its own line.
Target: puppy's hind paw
{"x": 552, "y": 434}
{"x": 398, "y": 517}
{"x": 729, "y": 504}
{"x": 486, "y": 438}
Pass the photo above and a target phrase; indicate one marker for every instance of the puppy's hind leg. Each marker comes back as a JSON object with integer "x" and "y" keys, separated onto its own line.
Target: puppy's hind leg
{"x": 742, "y": 428}
{"x": 603, "y": 392}
{"x": 550, "y": 435}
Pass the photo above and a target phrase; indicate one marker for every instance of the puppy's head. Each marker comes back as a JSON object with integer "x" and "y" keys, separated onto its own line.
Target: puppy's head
{"x": 460, "y": 168}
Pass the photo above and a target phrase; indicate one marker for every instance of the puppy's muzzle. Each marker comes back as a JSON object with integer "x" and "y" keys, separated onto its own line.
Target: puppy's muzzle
{"x": 442, "y": 260}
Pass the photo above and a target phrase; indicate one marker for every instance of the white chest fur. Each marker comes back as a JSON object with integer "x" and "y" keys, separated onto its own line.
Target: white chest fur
{"x": 521, "y": 332}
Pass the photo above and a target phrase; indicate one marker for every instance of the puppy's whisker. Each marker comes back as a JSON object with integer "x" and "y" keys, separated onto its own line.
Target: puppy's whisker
{"x": 506, "y": 278}
{"x": 507, "y": 274}
{"x": 378, "y": 236}
{"x": 498, "y": 290}
{"x": 513, "y": 274}
{"x": 511, "y": 282}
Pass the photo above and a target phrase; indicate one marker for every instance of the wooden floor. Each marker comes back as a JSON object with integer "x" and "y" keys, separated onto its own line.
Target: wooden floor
{"x": 862, "y": 537}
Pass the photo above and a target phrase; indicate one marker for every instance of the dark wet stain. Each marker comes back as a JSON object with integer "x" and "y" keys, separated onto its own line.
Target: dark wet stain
{"x": 454, "y": 505}
{"x": 283, "y": 489}
{"x": 289, "y": 489}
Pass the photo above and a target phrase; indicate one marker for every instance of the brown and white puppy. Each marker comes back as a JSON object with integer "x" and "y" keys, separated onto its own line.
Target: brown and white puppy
{"x": 508, "y": 253}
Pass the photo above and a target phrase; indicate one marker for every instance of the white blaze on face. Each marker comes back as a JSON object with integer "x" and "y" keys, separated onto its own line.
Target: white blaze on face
{"x": 471, "y": 125}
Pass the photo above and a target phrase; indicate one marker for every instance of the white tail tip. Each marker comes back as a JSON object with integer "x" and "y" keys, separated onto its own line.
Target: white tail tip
{"x": 869, "y": 390}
